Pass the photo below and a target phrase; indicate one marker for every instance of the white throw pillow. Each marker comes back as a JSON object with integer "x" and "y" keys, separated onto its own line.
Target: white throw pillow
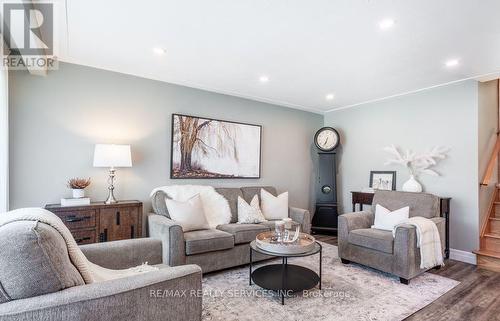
{"x": 250, "y": 213}
{"x": 387, "y": 220}
{"x": 274, "y": 207}
{"x": 189, "y": 214}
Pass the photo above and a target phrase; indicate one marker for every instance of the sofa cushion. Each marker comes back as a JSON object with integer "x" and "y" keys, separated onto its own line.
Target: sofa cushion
{"x": 203, "y": 241}
{"x": 189, "y": 214}
{"x": 387, "y": 220}
{"x": 421, "y": 204}
{"x": 34, "y": 261}
{"x": 243, "y": 233}
{"x": 231, "y": 195}
{"x": 250, "y": 213}
{"x": 274, "y": 207}
{"x": 159, "y": 204}
{"x": 250, "y": 191}
{"x": 372, "y": 238}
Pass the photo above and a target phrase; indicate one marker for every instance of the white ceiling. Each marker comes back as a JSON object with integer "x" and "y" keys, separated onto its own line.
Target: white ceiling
{"x": 307, "y": 48}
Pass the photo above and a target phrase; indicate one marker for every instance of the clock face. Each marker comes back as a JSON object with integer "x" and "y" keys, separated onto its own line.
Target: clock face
{"x": 326, "y": 139}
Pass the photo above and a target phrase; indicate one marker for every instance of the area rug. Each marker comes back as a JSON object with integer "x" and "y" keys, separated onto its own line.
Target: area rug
{"x": 349, "y": 292}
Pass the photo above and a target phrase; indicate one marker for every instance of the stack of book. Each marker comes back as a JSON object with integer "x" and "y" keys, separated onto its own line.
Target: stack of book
{"x": 75, "y": 201}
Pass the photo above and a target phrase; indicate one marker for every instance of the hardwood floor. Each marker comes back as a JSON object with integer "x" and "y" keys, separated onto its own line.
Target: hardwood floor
{"x": 476, "y": 298}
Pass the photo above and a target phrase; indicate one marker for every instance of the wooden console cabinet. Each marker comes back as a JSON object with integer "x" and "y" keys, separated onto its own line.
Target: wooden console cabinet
{"x": 99, "y": 222}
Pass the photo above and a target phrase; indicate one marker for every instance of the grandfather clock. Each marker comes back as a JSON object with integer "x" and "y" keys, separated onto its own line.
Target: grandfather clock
{"x": 325, "y": 215}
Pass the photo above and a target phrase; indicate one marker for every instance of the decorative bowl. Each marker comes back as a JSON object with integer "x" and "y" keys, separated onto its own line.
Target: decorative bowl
{"x": 267, "y": 242}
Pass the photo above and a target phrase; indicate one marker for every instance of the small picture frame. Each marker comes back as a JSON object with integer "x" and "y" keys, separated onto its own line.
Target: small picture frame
{"x": 383, "y": 180}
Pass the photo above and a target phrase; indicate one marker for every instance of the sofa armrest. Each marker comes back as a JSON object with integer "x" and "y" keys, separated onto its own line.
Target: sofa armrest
{"x": 124, "y": 254}
{"x": 172, "y": 237}
{"x": 147, "y": 296}
{"x": 301, "y": 216}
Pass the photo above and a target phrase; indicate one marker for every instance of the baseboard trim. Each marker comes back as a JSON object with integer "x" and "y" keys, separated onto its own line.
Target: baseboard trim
{"x": 463, "y": 256}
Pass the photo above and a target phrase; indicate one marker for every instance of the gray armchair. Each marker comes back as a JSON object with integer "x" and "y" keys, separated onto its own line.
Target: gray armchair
{"x": 378, "y": 249}
{"x": 38, "y": 281}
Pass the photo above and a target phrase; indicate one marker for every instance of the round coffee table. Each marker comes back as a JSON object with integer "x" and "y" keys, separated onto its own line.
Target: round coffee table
{"x": 285, "y": 278}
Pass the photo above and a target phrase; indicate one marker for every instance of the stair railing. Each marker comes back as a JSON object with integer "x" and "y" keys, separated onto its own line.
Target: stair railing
{"x": 491, "y": 164}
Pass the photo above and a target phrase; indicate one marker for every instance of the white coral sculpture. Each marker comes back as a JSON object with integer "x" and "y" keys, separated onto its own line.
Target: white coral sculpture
{"x": 417, "y": 163}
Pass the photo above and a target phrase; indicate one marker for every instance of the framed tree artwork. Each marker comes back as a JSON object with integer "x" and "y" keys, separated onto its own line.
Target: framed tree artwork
{"x": 211, "y": 148}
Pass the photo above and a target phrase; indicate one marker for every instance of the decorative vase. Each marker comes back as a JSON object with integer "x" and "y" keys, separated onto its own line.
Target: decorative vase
{"x": 412, "y": 185}
{"x": 78, "y": 193}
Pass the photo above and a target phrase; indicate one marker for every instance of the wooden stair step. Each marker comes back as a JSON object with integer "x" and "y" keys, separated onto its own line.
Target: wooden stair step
{"x": 488, "y": 253}
{"x": 492, "y": 235}
{"x": 496, "y": 210}
{"x": 490, "y": 242}
{"x": 489, "y": 260}
{"x": 494, "y": 225}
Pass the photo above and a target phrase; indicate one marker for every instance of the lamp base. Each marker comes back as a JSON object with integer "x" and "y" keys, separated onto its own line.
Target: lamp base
{"x": 111, "y": 196}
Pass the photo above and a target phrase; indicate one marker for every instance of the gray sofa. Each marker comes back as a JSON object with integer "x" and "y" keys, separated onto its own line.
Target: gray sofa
{"x": 214, "y": 249}
{"x": 39, "y": 282}
{"x": 378, "y": 249}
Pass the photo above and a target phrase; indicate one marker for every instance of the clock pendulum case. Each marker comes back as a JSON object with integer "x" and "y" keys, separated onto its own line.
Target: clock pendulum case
{"x": 326, "y": 215}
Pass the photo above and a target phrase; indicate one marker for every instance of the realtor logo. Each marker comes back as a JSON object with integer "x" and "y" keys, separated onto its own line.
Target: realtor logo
{"x": 27, "y": 29}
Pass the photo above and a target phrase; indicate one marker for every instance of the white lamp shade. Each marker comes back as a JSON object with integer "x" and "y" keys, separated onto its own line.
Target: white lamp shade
{"x": 109, "y": 155}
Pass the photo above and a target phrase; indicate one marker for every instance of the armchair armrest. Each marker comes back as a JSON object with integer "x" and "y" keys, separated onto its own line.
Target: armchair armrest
{"x": 124, "y": 254}
{"x": 441, "y": 226}
{"x": 356, "y": 220}
{"x": 147, "y": 296}
{"x": 301, "y": 216}
{"x": 347, "y": 223}
{"x": 172, "y": 237}
{"x": 405, "y": 251}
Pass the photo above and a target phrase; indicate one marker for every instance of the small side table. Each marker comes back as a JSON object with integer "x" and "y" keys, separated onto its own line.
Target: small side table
{"x": 361, "y": 198}
{"x": 445, "y": 212}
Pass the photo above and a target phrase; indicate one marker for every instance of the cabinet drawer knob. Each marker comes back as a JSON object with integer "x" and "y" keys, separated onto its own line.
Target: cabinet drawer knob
{"x": 81, "y": 239}
{"x": 73, "y": 218}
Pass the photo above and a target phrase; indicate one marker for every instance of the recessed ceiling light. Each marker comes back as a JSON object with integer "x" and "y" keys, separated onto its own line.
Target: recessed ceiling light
{"x": 263, "y": 79}
{"x": 386, "y": 24}
{"x": 159, "y": 51}
{"x": 452, "y": 63}
{"x": 329, "y": 97}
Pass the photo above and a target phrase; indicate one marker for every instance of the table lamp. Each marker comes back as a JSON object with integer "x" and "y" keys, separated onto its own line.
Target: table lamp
{"x": 112, "y": 156}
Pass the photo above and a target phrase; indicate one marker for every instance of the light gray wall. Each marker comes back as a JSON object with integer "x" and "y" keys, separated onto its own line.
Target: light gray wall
{"x": 487, "y": 129}
{"x": 56, "y": 120}
{"x": 4, "y": 140}
{"x": 446, "y": 116}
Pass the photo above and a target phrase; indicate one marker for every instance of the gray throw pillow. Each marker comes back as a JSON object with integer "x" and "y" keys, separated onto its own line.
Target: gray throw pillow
{"x": 34, "y": 261}
{"x": 158, "y": 202}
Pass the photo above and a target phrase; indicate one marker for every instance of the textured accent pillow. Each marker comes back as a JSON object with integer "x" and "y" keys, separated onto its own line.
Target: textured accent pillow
{"x": 274, "y": 207}
{"x": 250, "y": 213}
{"x": 387, "y": 220}
{"x": 189, "y": 214}
{"x": 34, "y": 261}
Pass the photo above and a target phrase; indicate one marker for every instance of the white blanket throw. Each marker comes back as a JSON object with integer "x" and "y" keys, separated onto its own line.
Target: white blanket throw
{"x": 428, "y": 241}
{"x": 90, "y": 272}
{"x": 215, "y": 206}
